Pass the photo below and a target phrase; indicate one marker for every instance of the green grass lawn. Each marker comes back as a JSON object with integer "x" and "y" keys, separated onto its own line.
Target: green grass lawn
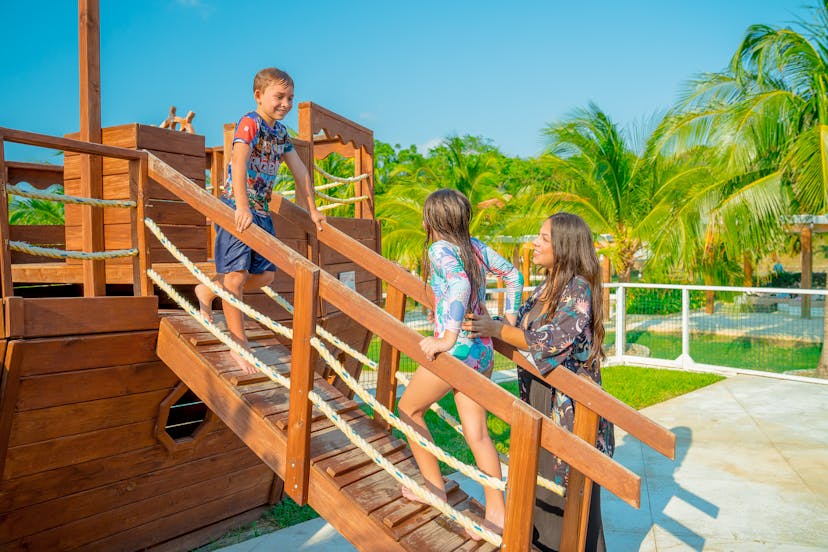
{"x": 740, "y": 352}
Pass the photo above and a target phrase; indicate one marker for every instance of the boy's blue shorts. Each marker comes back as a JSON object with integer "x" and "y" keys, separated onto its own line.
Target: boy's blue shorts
{"x": 233, "y": 255}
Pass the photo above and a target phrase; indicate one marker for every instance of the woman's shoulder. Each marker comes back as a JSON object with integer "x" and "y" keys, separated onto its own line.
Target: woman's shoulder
{"x": 579, "y": 285}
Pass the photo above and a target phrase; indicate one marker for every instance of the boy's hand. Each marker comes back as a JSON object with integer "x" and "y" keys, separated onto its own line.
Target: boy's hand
{"x": 318, "y": 218}
{"x": 243, "y": 218}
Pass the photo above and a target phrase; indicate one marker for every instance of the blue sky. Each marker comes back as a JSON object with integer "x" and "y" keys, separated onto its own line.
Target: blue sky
{"x": 414, "y": 72}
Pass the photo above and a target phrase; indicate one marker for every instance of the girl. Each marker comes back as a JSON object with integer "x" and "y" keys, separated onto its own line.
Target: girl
{"x": 455, "y": 266}
{"x": 560, "y": 325}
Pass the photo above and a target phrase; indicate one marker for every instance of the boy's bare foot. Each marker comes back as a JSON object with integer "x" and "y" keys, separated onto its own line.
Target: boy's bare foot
{"x": 205, "y": 297}
{"x": 243, "y": 365}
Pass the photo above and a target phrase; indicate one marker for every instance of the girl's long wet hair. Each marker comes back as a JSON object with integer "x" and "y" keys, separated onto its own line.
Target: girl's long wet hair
{"x": 573, "y": 252}
{"x": 447, "y": 214}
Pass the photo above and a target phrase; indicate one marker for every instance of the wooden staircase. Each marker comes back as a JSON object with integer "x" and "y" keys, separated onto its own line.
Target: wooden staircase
{"x": 350, "y": 491}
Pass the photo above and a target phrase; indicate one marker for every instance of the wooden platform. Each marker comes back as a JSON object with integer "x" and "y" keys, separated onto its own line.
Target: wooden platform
{"x": 355, "y": 495}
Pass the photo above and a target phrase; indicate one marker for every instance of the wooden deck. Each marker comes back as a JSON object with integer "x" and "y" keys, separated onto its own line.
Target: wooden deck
{"x": 355, "y": 495}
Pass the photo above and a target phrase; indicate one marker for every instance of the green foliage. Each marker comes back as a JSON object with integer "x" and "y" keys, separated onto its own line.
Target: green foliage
{"x": 28, "y": 211}
{"x": 658, "y": 301}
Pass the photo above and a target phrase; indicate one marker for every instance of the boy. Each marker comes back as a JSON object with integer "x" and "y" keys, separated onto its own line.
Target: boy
{"x": 260, "y": 143}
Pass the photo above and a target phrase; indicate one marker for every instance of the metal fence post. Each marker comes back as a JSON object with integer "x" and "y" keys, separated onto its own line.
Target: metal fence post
{"x": 620, "y": 322}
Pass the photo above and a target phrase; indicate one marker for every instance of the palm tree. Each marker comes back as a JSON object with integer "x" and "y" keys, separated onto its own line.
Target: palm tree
{"x": 767, "y": 116}
{"x": 23, "y": 210}
{"x": 602, "y": 179}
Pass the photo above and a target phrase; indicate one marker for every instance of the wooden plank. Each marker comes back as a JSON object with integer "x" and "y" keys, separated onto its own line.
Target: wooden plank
{"x": 355, "y": 458}
{"x": 38, "y": 175}
{"x": 142, "y": 285}
{"x": 111, "y": 523}
{"x": 6, "y": 284}
{"x": 156, "y": 139}
{"x": 76, "y": 478}
{"x": 72, "y": 507}
{"x": 435, "y": 535}
{"x": 91, "y": 351}
{"x": 162, "y": 211}
{"x": 389, "y": 360}
{"x": 191, "y": 166}
{"x": 78, "y": 386}
{"x": 211, "y": 533}
{"x": 424, "y": 516}
{"x": 46, "y": 317}
{"x": 523, "y": 469}
{"x": 117, "y": 273}
{"x": 119, "y": 236}
{"x": 377, "y": 490}
{"x": 116, "y": 186}
{"x": 579, "y": 488}
{"x": 9, "y": 392}
{"x": 44, "y": 424}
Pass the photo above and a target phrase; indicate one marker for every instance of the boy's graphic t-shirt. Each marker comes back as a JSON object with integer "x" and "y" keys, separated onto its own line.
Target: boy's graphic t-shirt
{"x": 267, "y": 146}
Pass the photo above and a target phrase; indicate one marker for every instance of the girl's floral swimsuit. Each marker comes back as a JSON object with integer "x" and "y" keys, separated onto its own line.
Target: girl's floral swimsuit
{"x": 453, "y": 293}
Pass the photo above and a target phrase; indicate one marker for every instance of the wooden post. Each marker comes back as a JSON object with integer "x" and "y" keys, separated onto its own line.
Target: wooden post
{"x": 523, "y": 470}
{"x": 92, "y": 227}
{"x": 606, "y": 277}
{"x": 138, "y": 178}
{"x": 6, "y": 285}
{"x": 218, "y": 172}
{"x": 303, "y": 361}
{"x": 389, "y": 360}
{"x": 364, "y": 163}
{"x": 501, "y": 298}
{"x": 805, "y": 240}
{"x": 579, "y": 489}
{"x": 526, "y": 267}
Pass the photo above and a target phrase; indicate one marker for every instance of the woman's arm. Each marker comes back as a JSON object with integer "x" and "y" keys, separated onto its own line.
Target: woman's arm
{"x": 482, "y": 325}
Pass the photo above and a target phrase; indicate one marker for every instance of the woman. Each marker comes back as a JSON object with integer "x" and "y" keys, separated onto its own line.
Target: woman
{"x": 560, "y": 324}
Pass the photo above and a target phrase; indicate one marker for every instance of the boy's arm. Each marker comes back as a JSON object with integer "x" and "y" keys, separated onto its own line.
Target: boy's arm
{"x": 304, "y": 187}
{"x": 243, "y": 216}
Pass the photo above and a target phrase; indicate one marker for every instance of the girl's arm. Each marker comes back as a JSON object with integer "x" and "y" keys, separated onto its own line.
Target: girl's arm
{"x": 510, "y": 275}
{"x": 445, "y": 262}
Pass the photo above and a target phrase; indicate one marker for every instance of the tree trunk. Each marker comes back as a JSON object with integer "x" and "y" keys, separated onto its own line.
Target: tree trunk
{"x": 710, "y": 296}
{"x": 822, "y": 365}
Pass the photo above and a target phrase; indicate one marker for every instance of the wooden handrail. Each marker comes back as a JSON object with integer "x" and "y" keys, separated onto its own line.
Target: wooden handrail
{"x": 579, "y": 389}
{"x": 594, "y": 464}
{"x": 67, "y": 144}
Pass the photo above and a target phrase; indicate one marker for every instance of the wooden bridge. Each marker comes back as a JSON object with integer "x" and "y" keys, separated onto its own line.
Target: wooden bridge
{"x": 307, "y": 457}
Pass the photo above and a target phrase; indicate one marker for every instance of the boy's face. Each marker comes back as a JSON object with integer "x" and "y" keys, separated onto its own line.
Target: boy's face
{"x": 274, "y": 102}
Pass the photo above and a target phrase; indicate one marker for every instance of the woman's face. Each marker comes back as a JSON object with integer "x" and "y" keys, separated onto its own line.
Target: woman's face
{"x": 543, "y": 255}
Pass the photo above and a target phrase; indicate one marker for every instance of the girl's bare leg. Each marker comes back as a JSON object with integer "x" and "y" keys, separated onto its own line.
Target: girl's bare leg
{"x": 424, "y": 389}
{"x": 473, "y": 418}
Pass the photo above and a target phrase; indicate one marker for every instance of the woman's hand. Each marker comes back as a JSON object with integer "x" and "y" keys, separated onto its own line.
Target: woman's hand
{"x": 481, "y": 325}
{"x": 433, "y": 345}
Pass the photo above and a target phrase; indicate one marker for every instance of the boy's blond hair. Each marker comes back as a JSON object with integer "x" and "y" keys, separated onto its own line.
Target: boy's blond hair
{"x": 270, "y": 75}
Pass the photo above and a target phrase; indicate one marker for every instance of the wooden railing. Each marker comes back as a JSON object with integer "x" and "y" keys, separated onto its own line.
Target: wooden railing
{"x": 530, "y": 429}
{"x": 94, "y": 274}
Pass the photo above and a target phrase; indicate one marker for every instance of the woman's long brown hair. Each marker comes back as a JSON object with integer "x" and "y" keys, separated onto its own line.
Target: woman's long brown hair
{"x": 447, "y": 214}
{"x": 573, "y": 253}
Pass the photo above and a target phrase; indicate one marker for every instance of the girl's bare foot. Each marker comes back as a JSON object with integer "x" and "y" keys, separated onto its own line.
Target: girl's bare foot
{"x": 205, "y": 298}
{"x": 489, "y": 526}
{"x": 408, "y": 494}
{"x": 243, "y": 365}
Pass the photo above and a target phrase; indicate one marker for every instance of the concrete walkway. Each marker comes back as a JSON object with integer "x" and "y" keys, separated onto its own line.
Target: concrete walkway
{"x": 751, "y": 473}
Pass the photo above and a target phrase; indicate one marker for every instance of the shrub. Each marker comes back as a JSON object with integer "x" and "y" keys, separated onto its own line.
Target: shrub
{"x": 659, "y": 301}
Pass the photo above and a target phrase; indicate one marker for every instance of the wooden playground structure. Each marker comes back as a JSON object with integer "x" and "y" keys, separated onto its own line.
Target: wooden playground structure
{"x": 124, "y": 424}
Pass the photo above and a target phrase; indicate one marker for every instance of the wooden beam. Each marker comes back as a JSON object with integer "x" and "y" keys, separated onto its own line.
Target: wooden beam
{"x": 521, "y": 481}
{"x": 389, "y": 359}
{"x": 303, "y": 359}
{"x": 94, "y": 272}
{"x": 579, "y": 488}
{"x": 6, "y": 285}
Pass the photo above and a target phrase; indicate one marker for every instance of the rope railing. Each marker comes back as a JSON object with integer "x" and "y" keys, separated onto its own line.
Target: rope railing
{"x": 60, "y": 198}
{"x": 329, "y": 176}
{"x": 441, "y": 412}
{"x": 327, "y": 186}
{"x": 53, "y": 253}
{"x": 279, "y": 329}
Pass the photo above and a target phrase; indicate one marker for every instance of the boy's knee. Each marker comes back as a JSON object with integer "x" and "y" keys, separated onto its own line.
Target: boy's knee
{"x": 234, "y": 281}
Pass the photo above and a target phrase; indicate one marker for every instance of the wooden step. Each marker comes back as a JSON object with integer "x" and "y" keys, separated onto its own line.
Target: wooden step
{"x": 347, "y": 488}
